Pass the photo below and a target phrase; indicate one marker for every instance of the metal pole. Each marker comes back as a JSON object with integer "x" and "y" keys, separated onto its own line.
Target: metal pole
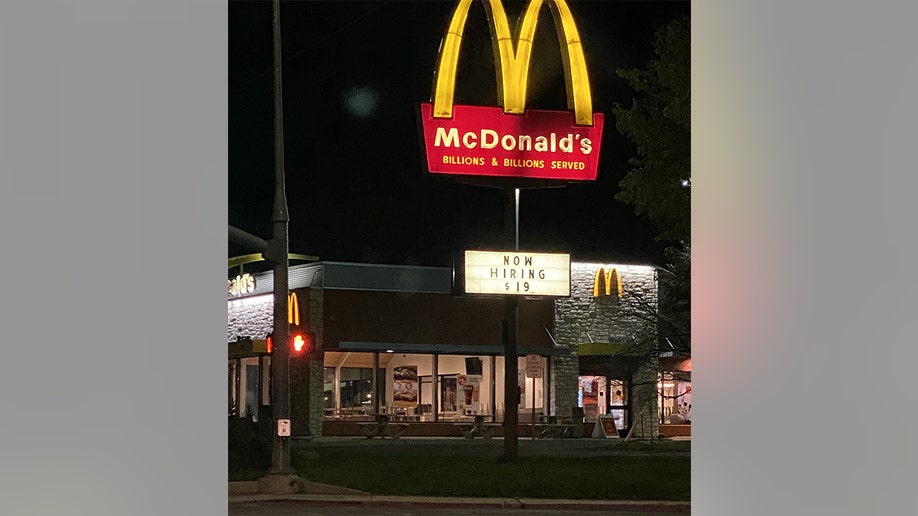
{"x": 533, "y": 405}
{"x": 516, "y": 219}
{"x": 376, "y": 381}
{"x": 435, "y": 386}
{"x": 511, "y": 367}
{"x": 280, "y": 362}
{"x": 493, "y": 385}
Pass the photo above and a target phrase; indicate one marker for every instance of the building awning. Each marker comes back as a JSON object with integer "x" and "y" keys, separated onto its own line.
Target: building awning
{"x": 600, "y": 348}
{"x": 444, "y": 349}
{"x": 247, "y": 348}
{"x": 676, "y": 363}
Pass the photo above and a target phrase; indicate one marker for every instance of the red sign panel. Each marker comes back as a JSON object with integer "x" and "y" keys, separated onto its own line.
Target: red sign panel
{"x": 485, "y": 141}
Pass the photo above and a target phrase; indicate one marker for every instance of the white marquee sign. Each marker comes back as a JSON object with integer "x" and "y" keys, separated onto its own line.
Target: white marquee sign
{"x": 517, "y": 273}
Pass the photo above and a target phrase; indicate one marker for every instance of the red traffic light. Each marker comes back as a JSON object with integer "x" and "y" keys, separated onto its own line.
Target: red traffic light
{"x": 301, "y": 341}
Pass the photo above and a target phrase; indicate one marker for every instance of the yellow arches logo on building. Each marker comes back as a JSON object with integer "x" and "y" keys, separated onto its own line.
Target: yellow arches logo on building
{"x": 293, "y": 309}
{"x": 512, "y": 64}
{"x": 607, "y": 281}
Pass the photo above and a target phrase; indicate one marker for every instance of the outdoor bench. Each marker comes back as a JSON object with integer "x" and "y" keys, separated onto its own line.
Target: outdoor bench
{"x": 383, "y": 427}
{"x": 480, "y": 428}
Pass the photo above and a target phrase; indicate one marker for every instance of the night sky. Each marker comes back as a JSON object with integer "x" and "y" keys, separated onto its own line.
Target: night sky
{"x": 354, "y": 73}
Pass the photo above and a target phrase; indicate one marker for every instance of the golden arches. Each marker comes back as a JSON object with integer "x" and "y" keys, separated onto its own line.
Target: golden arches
{"x": 293, "y": 309}
{"x": 512, "y": 64}
{"x": 605, "y": 280}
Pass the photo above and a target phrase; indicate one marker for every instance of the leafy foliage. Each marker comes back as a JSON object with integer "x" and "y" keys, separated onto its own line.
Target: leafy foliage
{"x": 248, "y": 449}
{"x": 676, "y": 299}
{"x": 659, "y": 124}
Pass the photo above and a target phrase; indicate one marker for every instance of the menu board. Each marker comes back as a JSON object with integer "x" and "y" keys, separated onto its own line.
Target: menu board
{"x": 405, "y": 393}
{"x": 469, "y": 392}
{"x": 605, "y": 426}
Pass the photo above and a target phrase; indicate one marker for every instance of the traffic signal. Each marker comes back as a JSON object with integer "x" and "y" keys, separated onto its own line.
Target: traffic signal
{"x": 302, "y": 340}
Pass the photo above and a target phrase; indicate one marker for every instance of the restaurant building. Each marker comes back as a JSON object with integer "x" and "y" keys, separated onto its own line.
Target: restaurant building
{"x": 404, "y": 341}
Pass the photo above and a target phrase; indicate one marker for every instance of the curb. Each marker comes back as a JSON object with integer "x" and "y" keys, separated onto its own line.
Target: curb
{"x": 472, "y": 503}
{"x": 250, "y": 488}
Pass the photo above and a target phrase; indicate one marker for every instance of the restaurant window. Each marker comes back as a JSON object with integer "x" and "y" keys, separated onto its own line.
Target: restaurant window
{"x": 329, "y": 388}
{"x": 248, "y": 377}
{"x": 232, "y": 387}
{"x": 674, "y": 394}
{"x": 356, "y": 387}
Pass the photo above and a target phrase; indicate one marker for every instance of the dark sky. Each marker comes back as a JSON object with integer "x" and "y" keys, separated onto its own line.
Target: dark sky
{"x": 354, "y": 73}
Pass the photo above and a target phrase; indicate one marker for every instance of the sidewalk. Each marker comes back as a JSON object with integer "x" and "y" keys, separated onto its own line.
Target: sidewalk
{"x": 241, "y": 492}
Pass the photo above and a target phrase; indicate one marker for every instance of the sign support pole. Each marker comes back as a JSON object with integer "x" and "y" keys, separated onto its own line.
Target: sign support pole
{"x": 511, "y": 366}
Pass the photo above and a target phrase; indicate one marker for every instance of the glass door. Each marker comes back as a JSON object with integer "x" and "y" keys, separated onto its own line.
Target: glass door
{"x": 618, "y": 403}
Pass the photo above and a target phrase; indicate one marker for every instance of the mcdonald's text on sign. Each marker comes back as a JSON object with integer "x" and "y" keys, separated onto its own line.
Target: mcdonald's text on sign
{"x": 510, "y": 140}
{"x": 485, "y": 141}
{"x": 517, "y": 273}
{"x": 241, "y": 285}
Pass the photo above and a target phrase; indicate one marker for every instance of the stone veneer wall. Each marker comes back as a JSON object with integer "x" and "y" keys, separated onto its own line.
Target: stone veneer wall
{"x": 317, "y": 363}
{"x": 253, "y": 317}
{"x": 605, "y": 319}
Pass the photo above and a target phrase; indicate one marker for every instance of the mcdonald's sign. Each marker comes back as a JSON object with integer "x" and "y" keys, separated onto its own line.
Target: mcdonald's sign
{"x": 293, "y": 309}
{"x": 241, "y": 285}
{"x": 512, "y": 141}
{"x": 606, "y": 282}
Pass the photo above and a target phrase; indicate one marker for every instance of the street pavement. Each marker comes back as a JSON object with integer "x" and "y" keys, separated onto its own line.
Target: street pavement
{"x": 406, "y": 508}
{"x": 333, "y": 505}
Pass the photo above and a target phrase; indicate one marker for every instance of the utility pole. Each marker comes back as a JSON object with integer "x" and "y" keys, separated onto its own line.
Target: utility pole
{"x": 280, "y": 361}
{"x": 511, "y": 305}
{"x": 281, "y": 478}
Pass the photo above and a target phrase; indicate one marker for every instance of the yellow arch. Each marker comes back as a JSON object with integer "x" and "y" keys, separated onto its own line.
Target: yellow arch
{"x": 604, "y": 280}
{"x": 616, "y": 280}
{"x": 293, "y": 309}
{"x": 511, "y": 61}
{"x": 599, "y": 282}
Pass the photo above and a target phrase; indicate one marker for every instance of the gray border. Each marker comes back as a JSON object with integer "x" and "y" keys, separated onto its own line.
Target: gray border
{"x": 804, "y": 241}
{"x": 111, "y": 112}
{"x": 113, "y": 159}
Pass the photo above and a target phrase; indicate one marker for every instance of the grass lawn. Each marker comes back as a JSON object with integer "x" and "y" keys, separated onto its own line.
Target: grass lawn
{"x": 566, "y": 468}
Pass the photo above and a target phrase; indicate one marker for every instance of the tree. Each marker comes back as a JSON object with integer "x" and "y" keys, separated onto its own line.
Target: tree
{"x": 659, "y": 124}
